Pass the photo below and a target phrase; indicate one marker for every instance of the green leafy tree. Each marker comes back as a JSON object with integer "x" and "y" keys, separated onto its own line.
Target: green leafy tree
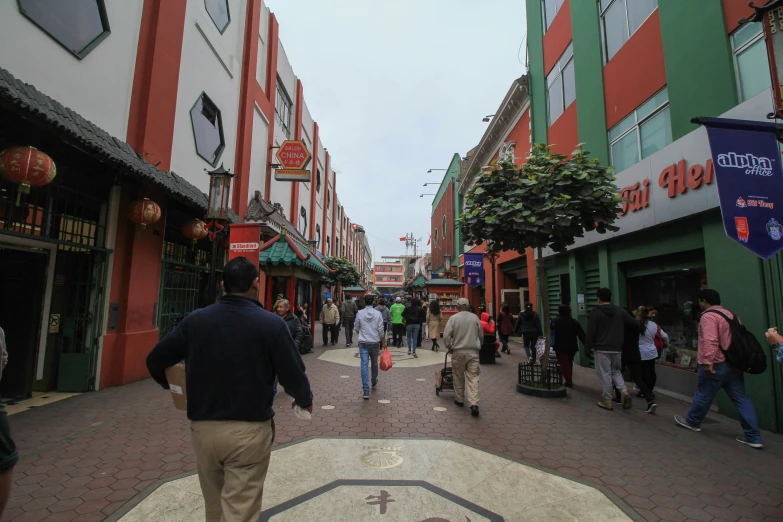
{"x": 548, "y": 203}
{"x": 345, "y": 273}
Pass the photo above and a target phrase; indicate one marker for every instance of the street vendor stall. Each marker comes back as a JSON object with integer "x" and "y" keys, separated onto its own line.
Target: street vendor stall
{"x": 446, "y": 292}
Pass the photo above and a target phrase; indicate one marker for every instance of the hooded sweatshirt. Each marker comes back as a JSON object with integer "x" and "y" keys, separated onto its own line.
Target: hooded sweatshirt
{"x": 606, "y": 328}
{"x": 487, "y": 327}
{"x": 384, "y": 313}
{"x": 528, "y": 322}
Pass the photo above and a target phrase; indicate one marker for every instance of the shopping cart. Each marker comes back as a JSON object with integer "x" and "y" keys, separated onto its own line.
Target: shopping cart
{"x": 444, "y": 378}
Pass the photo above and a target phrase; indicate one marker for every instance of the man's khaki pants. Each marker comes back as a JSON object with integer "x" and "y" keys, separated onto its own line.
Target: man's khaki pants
{"x": 232, "y": 459}
{"x": 465, "y": 366}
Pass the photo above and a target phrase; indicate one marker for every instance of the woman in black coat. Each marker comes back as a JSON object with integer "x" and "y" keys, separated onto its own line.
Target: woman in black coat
{"x": 566, "y": 331}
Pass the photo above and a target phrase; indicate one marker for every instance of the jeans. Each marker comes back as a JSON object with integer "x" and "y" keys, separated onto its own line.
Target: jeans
{"x": 607, "y": 366}
{"x": 566, "y": 363}
{"x": 398, "y": 331}
{"x": 349, "y": 323}
{"x": 413, "y": 336}
{"x": 648, "y": 373}
{"x": 529, "y": 343}
{"x": 732, "y": 382}
{"x": 274, "y": 386}
{"x": 369, "y": 351}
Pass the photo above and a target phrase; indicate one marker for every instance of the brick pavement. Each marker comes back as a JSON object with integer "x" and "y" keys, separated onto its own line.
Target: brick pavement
{"x": 84, "y": 457}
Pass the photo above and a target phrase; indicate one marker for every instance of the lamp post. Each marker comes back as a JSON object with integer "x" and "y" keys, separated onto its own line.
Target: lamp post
{"x": 216, "y": 217}
{"x": 771, "y": 17}
{"x": 446, "y": 265}
{"x": 493, "y": 257}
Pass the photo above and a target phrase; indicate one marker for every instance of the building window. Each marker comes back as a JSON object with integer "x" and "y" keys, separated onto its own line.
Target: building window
{"x": 207, "y": 129}
{"x": 303, "y": 221}
{"x": 550, "y": 8}
{"x": 328, "y": 246}
{"x": 435, "y": 237}
{"x": 283, "y": 109}
{"x": 77, "y": 25}
{"x": 750, "y": 60}
{"x": 318, "y": 234}
{"x": 646, "y": 130}
{"x": 444, "y": 228}
{"x": 620, "y": 19}
{"x": 561, "y": 85}
{"x": 318, "y": 180}
{"x": 329, "y": 198}
{"x": 218, "y": 11}
{"x": 506, "y": 151}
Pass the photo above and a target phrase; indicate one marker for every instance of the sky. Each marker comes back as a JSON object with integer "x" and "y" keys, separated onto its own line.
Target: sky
{"x": 397, "y": 88}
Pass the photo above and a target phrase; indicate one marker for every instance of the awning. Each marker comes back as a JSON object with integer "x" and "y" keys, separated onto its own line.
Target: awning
{"x": 281, "y": 256}
{"x": 418, "y": 281}
{"x": 444, "y": 282}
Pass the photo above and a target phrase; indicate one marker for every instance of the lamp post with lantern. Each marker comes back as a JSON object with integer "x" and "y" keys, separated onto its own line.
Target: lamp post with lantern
{"x": 446, "y": 265}
{"x": 216, "y": 217}
{"x": 493, "y": 257}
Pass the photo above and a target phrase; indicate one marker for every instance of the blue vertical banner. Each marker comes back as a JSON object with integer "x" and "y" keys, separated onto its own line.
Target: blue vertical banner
{"x": 746, "y": 158}
{"x": 474, "y": 269}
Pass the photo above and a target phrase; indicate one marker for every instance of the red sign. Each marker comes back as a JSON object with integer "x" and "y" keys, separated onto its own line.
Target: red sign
{"x": 636, "y": 199}
{"x": 293, "y": 155}
{"x": 743, "y": 231}
{"x": 679, "y": 178}
{"x": 244, "y": 241}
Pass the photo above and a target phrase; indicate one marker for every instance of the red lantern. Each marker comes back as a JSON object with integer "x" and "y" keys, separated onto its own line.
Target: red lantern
{"x": 28, "y": 167}
{"x": 195, "y": 229}
{"x": 144, "y": 212}
{"x": 225, "y": 243}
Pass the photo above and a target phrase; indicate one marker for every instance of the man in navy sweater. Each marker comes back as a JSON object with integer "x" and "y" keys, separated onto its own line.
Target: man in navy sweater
{"x": 232, "y": 351}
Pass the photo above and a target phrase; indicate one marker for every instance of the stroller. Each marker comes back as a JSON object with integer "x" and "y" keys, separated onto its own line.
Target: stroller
{"x": 307, "y": 341}
{"x": 444, "y": 378}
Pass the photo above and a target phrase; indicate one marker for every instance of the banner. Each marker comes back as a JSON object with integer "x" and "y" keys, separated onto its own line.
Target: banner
{"x": 474, "y": 269}
{"x": 746, "y": 158}
{"x": 244, "y": 241}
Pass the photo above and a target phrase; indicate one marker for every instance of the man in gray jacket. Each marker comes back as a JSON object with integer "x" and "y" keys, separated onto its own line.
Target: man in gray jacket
{"x": 463, "y": 337}
{"x": 348, "y": 313}
{"x": 8, "y": 454}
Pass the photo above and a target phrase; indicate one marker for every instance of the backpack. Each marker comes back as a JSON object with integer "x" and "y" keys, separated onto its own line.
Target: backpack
{"x": 745, "y": 351}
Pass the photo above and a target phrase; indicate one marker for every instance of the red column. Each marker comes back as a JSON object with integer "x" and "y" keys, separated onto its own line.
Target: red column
{"x": 297, "y": 136}
{"x": 327, "y": 195}
{"x": 270, "y": 96}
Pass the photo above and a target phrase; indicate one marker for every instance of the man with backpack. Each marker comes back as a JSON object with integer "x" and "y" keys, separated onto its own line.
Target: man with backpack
{"x": 722, "y": 339}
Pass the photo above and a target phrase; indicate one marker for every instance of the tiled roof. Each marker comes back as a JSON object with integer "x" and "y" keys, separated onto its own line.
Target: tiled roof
{"x": 356, "y": 288}
{"x": 260, "y": 210}
{"x": 444, "y": 282}
{"x": 418, "y": 280}
{"x": 281, "y": 250}
{"x": 77, "y": 130}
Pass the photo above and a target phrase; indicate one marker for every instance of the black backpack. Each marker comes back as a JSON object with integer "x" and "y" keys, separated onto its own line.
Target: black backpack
{"x": 745, "y": 351}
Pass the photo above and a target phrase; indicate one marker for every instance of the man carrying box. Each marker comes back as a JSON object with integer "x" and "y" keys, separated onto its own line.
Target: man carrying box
{"x": 232, "y": 351}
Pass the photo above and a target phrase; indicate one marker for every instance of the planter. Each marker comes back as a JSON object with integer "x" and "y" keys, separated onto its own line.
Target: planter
{"x": 533, "y": 381}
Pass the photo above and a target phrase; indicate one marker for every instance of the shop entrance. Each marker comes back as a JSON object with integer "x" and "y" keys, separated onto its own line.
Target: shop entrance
{"x": 22, "y": 296}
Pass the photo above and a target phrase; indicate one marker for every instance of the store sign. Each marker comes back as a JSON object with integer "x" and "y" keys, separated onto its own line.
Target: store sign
{"x": 679, "y": 178}
{"x": 634, "y": 197}
{"x": 293, "y": 157}
{"x": 474, "y": 269}
{"x": 750, "y": 182}
{"x": 243, "y": 241}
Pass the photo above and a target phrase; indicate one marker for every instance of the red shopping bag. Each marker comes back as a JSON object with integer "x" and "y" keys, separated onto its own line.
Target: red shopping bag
{"x": 385, "y": 361}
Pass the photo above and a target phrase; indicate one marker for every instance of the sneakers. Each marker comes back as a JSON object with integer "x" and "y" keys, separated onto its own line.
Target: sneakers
{"x": 684, "y": 423}
{"x": 348, "y": 344}
{"x": 374, "y": 384}
{"x": 617, "y": 400}
{"x": 742, "y": 439}
{"x": 627, "y": 400}
{"x": 458, "y": 403}
{"x": 474, "y": 410}
{"x": 409, "y": 352}
{"x": 651, "y": 407}
{"x": 366, "y": 396}
{"x": 416, "y": 356}
{"x": 607, "y": 405}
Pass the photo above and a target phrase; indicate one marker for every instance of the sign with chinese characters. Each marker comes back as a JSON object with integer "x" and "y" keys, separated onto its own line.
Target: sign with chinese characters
{"x": 293, "y": 157}
{"x": 474, "y": 269}
{"x": 746, "y": 156}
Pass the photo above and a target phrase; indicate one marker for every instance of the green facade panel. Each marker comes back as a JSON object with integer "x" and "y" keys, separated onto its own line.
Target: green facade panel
{"x": 588, "y": 68}
{"x": 699, "y": 64}
{"x": 536, "y": 77}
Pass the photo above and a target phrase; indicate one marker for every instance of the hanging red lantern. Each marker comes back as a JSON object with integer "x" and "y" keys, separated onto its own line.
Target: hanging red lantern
{"x": 28, "y": 167}
{"x": 144, "y": 212}
{"x": 225, "y": 243}
{"x": 195, "y": 229}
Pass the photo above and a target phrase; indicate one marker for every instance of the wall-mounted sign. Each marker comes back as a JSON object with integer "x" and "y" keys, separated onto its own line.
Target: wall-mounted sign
{"x": 244, "y": 247}
{"x": 54, "y": 323}
{"x": 474, "y": 269}
{"x": 293, "y": 157}
{"x": 243, "y": 241}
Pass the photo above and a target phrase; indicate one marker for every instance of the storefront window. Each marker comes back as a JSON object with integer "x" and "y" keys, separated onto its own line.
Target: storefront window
{"x": 675, "y": 296}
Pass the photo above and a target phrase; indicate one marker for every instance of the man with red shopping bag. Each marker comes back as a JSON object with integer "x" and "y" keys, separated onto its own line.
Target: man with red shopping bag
{"x": 369, "y": 326}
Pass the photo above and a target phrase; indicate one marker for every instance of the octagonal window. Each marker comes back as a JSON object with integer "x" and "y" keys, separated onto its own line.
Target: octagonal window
{"x": 207, "y": 129}
{"x": 77, "y": 25}
{"x": 218, "y": 11}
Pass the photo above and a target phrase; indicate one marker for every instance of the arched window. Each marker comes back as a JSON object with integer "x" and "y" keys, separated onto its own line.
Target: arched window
{"x": 443, "y": 233}
{"x": 435, "y": 238}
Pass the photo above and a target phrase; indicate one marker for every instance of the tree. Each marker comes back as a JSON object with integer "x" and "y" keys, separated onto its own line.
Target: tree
{"x": 548, "y": 203}
{"x": 345, "y": 272}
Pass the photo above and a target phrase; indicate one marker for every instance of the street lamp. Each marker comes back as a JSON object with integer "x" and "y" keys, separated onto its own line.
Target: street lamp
{"x": 435, "y": 169}
{"x": 432, "y": 183}
{"x": 493, "y": 257}
{"x": 771, "y": 16}
{"x": 216, "y": 217}
{"x": 487, "y": 118}
{"x": 446, "y": 265}
{"x": 422, "y": 195}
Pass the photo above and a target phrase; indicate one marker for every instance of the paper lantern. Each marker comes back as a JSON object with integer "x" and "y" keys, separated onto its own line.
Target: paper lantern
{"x": 28, "y": 167}
{"x": 195, "y": 229}
{"x": 144, "y": 212}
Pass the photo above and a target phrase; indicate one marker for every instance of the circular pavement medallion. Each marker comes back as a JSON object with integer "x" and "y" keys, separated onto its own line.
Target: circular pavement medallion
{"x": 392, "y": 480}
{"x": 327, "y": 407}
{"x": 384, "y": 401}
{"x": 439, "y": 408}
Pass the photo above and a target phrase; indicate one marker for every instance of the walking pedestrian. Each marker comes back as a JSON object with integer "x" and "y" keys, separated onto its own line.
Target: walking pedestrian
{"x": 565, "y": 331}
{"x": 605, "y": 334}
{"x": 9, "y": 456}
{"x": 283, "y": 309}
{"x": 463, "y": 337}
{"x": 232, "y": 351}
{"x": 348, "y": 315}
{"x": 369, "y": 325}
{"x": 529, "y": 327}
{"x": 398, "y": 322}
{"x": 330, "y": 322}
{"x": 715, "y": 372}
{"x": 649, "y": 330}
{"x": 434, "y": 318}
{"x": 414, "y": 316}
{"x": 632, "y": 360}
{"x": 505, "y": 327}
{"x": 381, "y": 307}
{"x": 423, "y": 330}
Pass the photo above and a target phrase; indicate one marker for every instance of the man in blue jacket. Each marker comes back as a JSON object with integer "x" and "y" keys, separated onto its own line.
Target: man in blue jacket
{"x": 232, "y": 351}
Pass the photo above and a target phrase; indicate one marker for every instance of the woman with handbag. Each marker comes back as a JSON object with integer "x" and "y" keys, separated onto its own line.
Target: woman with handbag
{"x": 652, "y": 340}
{"x": 433, "y": 323}
{"x": 505, "y": 327}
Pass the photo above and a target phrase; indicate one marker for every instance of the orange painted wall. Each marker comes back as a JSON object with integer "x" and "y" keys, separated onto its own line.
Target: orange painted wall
{"x": 563, "y": 134}
{"x": 521, "y": 135}
{"x": 733, "y": 10}
{"x": 635, "y": 73}
{"x": 557, "y": 37}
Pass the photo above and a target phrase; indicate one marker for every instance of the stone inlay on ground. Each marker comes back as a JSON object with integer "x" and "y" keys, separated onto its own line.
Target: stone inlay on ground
{"x": 338, "y": 479}
{"x": 400, "y": 357}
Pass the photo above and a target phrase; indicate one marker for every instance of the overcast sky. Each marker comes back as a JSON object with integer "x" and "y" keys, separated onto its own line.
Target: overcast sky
{"x": 397, "y": 87}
